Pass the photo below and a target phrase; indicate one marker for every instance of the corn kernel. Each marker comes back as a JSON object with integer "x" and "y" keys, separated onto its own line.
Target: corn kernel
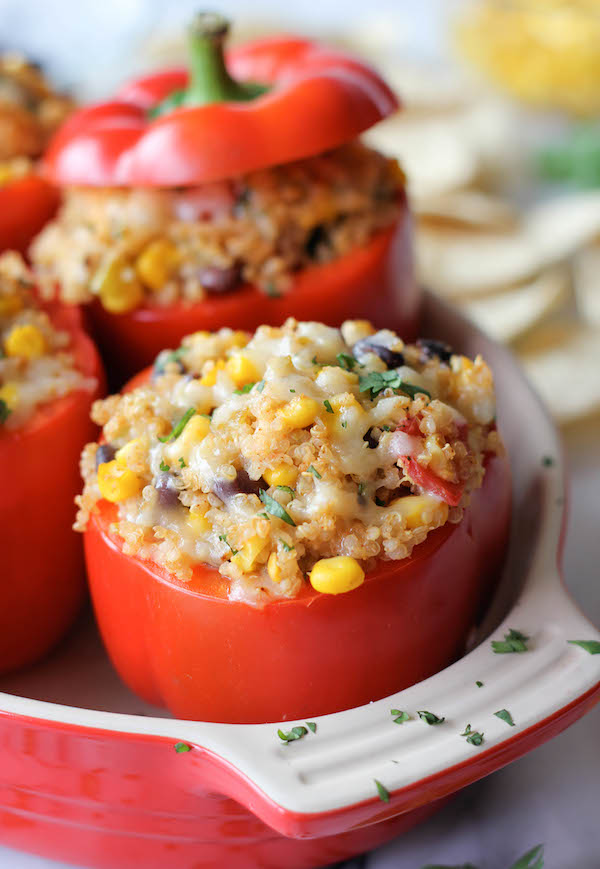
{"x": 419, "y": 510}
{"x": 156, "y": 263}
{"x": 27, "y": 341}
{"x": 194, "y": 432}
{"x": 281, "y": 475}
{"x": 336, "y": 575}
{"x": 198, "y": 523}
{"x": 273, "y": 568}
{"x": 300, "y": 412}
{"x": 126, "y": 454}
{"x": 242, "y": 370}
{"x": 9, "y": 394}
{"x": 10, "y": 304}
{"x": 117, "y": 483}
{"x": 239, "y": 338}
{"x": 210, "y": 378}
{"x": 346, "y": 409}
{"x": 118, "y": 287}
{"x": 249, "y": 554}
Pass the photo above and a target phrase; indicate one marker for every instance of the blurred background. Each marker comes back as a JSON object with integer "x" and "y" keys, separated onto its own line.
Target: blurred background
{"x": 500, "y": 140}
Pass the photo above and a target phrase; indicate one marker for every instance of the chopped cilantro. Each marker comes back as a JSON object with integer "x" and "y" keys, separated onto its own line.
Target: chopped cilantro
{"x": 514, "y": 641}
{"x": 260, "y": 385}
{"x": 287, "y": 489}
{"x": 473, "y": 737}
{"x": 344, "y": 423}
{"x": 479, "y": 684}
{"x": 181, "y": 747}
{"x": 399, "y": 716}
{"x": 361, "y": 488}
{"x": 274, "y": 508}
{"x": 286, "y": 546}
{"x": 384, "y": 794}
{"x": 181, "y": 461}
{"x": 4, "y": 411}
{"x": 548, "y": 461}
{"x": 272, "y": 291}
{"x": 328, "y": 406}
{"x": 591, "y": 646}
{"x": 430, "y": 717}
{"x": 223, "y": 537}
{"x": 295, "y": 733}
{"x": 376, "y": 381}
{"x": 164, "y": 467}
{"x": 245, "y": 389}
{"x": 312, "y": 470}
{"x": 292, "y": 390}
{"x": 346, "y": 362}
{"x": 533, "y": 859}
{"x": 505, "y": 715}
{"x": 180, "y": 426}
{"x": 311, "y": 726}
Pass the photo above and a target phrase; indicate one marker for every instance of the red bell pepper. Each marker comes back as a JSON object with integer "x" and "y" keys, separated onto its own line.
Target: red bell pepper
{"x": 42, "y": 561}
{"x": 373, "y": 282}
{"x": 188, "y": 647}
{"x": 170, "y": 129}
{"x": 26, "y": 204}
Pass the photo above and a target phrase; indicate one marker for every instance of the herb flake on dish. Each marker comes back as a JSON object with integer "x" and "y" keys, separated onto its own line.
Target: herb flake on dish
{"x": 245, "y": 389}
{"x": 286, "y": 546}
{"x": 479, "y": 684}
{"x": 384, "y": 794}
{"x": 429, "y": 717}
{"x": 328, "y": 406}
{"x": 400, "y": 716}
{"x": 591, "y": 646}
{"x": 312, "y": 470}
{"x": 274, "y": 508}
{"x": 514, "y": 641}
{"x": 182, "y": 747}
{"x": 473, "y": 736}
{"x": 288, "y": 490}
{"x": 533, "y": 859}
{"x": 504, "y": 715}
{"x": 292, "y": 735}
{"x": 164, "y": 467}
{"x": 376, "y": 381}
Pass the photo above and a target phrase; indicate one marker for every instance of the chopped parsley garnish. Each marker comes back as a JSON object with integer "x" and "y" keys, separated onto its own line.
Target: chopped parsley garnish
{"x": 263, "y": 515}
{"x": 505, "y": 715}
{"x": 362, "y": 488}
{"x": 4, "y": 411}
{"x": 328, "y": 406}
{"x": 399, "y": 716}
{"x": 311, "y": 726}
{"x": 376, "y": 381}
{"x": 533, "y": 859}
{"x": 591, "y": 646}
{"x": 164, "y": 467}
{"x": 479, "y": 684}
{"x": 260, "y": 385}
{"x": 312, "y": 470}
{"x": 346, "y": 362}
{"x": 274, "y": 508}
{"x": 245, "y": 389}
{"x": 287, "y": 489}
{"x": 223, "y": 538}
{"x": 429, "y": 717}
{"x": 292, "y": 390}
{"x": 181, "y": 747}
{"x": 514, "y": 641}
{"x": 344, "y": 423}
{"x": 295, "y": 733}
{"x": 180, "y": 426}
{"x": 384, "y": 794}
{"x": 473, "y": 736}
{"x": 548, "y": 461}
{"x": 181, "y": 461}
{"x": 286, "y": 546}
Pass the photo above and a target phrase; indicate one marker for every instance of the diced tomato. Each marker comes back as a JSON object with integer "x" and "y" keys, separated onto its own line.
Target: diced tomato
{"x": 451, "y": 493}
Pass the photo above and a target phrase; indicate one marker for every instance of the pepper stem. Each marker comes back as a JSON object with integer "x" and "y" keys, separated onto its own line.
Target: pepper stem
{"x": 210, "y": 81}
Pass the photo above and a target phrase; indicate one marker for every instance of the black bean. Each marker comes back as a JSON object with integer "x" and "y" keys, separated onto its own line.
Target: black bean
{"x": 215, "y": 280}
{"x": 373, "y": 444}
{"x": 241, "y": 485}
{"x": 317, "y": 238}
{"x": 168, "y": 493}
{"x": 392, "y": 358}
{"x": 432, "y": 349}
{"x": 104, "y": 453}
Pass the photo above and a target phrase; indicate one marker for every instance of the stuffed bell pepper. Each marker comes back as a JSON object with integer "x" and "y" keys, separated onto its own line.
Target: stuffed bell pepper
{"x": 30, "y": 111}
{"x": 234, "y": 194}
{"x": 50, "y": 374}
{"x": 293, "y": 522}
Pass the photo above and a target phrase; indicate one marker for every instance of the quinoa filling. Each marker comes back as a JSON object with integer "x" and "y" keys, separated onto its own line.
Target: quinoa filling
{"x": 156, "y": 246}
{"x": 35, "y": 365}
{"x": 264, "y": 456}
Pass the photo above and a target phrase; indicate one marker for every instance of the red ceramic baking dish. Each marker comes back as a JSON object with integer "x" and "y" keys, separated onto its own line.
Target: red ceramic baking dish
{"x": 43, "y": 581}
{"x": 187, "y": 143}
{"x": 90, "y": 774}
